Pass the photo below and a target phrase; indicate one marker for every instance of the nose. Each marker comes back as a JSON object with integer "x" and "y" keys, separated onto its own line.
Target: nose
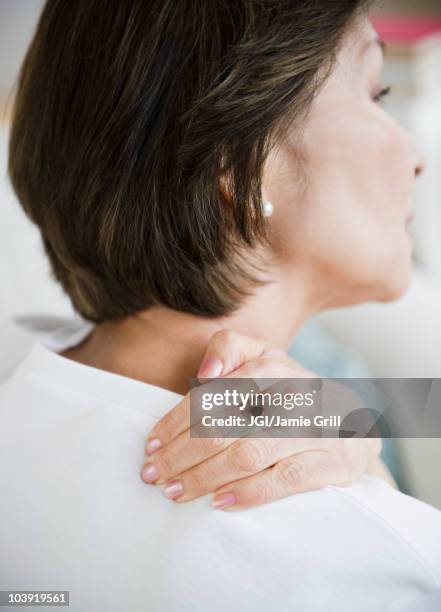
{"x": 419, "y": 158}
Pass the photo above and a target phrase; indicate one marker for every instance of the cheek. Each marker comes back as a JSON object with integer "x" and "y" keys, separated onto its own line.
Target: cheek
{"x": 386, "y": 173}
{"x": 346, "y": 215}
{"x": 380, "y": 185}
{"x": 362, "y": 176}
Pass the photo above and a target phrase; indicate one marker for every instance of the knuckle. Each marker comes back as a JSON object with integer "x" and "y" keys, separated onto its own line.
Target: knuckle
{"x": 163, "y": 462}
{"x": 275, "y": 366}
{"x": 211, "y": 446}
{"x": 269, "y": 362}
{"x": 274, "y": 354}
{"x": 195, "y": 482}
{"x": 257, "y": 369}
{"x": 224, "y": 336}
{"x": 165, "y": 428}
{"x": 260, "y": 495}
{"x": 294, "y": 474}
{"x": 246, "y": 457}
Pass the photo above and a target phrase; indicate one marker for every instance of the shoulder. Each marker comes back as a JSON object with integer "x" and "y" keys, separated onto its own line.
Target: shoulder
{"x": 16, "y": 343}
{"x": 415, "y": 525}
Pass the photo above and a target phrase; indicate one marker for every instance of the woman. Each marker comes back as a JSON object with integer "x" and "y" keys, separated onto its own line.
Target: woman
{"x": 197, "y": 160}
{"x": 197, "y": 145}
{"x": 203, "y": 166}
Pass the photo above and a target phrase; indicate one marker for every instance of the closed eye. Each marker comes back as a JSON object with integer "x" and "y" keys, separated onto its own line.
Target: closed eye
{"x": 383, "y": 93}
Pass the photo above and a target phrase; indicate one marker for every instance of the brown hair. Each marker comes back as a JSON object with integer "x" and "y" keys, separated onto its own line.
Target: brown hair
{"x": 128, "y": 116}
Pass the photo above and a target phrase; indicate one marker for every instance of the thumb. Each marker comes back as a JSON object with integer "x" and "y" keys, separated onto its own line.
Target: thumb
{"x": 228, "y": 350}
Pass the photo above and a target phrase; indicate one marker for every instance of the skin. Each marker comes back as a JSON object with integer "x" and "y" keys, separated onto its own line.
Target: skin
{"x": 360, "y": 166}
{"x": 338, "y": 237}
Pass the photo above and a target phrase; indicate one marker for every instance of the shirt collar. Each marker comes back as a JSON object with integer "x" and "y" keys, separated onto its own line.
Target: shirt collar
{"x": 45, "y": 361}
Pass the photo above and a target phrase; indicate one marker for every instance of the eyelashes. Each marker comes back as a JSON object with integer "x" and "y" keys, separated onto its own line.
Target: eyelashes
{"x": 383, "y": 93}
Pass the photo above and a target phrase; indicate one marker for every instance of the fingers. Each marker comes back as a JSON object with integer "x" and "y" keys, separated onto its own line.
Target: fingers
{"x": 227, "y": 351}
{"x": 303, "y": 472}
{"x": 272, "y": 364}
{"x": 234, "y": 459}
{"x": 170, "y": 426}
{"x": 250, "y": 472}
{"x": 178, "y": 419}
{"x": 181, "y": 454}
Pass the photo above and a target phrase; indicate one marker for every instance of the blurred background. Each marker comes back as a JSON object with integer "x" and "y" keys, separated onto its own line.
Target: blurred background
{"x": 402, "y": 339}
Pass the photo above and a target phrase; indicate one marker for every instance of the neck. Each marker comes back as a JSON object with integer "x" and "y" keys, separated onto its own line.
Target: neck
{"x": 165, "y": 347}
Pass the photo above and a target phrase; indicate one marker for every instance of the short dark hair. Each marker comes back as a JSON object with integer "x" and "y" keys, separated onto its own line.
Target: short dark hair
{"x": 128, "y": 116}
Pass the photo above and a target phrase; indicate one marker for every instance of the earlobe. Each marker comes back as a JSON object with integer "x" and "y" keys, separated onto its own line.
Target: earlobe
{"x": 267, "y": 208}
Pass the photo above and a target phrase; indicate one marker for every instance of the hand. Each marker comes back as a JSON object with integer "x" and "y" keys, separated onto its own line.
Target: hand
{"x": 247, "y": 472}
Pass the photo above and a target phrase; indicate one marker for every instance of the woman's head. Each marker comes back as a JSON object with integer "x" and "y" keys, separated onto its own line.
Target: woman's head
{"x": 145, "y": 134}
{"x": 342, "y": 213}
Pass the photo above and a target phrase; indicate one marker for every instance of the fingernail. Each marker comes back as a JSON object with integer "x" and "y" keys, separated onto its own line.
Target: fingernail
{"x": 224, "y": 500}
{"x": 149, "y": 473}
{"x": 173, "y": 490}
{"x": 211, "y": 367}
{"x": 152, "y": 445}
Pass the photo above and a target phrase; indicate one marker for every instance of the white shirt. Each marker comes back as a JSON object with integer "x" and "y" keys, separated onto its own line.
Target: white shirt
{"x": 75, "y": 515}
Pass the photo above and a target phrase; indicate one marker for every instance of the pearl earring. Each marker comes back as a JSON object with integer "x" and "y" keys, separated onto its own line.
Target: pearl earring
{"x": 267, "y": 209}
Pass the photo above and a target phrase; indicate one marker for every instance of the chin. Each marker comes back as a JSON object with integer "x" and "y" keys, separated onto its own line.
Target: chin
{"x": 397, "y": 284}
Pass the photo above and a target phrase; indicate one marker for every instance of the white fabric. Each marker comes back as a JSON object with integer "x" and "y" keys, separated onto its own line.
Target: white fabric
{"x": 75, "y": 515}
